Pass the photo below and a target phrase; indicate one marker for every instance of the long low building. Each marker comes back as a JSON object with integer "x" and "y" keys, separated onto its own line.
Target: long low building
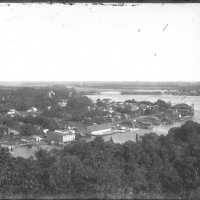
{"x": 101, "y": 129}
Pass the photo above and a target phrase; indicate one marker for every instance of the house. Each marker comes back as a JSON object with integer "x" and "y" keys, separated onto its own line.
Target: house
{"x": 72, "y": 129}
{"x": 32, "y": 110}
{"x": 12, "y": 131}
{"x": 10, "y": 147}
{"x": 37, "y": 138}
{"x": 62, "y": 103}
{"x": 145, "y": 105}
{"x": 45, "y": 131}
{"x": 61, "y": 136}
{"x": 12, "y": 113}
{"x": 121, "y": 128}
{"x": 110, "y": 110}
{"x": 51, "y": 94}
{"x": 100, "y": 129}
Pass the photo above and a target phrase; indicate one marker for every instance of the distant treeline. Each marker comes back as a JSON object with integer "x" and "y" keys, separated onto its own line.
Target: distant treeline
{"x": 141, "y": 92}
{"x": 155, "y": 167}
{"x": 139, "y": 85}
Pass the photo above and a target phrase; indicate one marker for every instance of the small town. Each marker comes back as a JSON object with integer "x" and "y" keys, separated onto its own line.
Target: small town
{"x": 55, "y": 117}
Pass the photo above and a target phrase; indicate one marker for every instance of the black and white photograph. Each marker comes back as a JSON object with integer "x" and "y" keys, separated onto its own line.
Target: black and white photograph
{"x": 99, "y": 100}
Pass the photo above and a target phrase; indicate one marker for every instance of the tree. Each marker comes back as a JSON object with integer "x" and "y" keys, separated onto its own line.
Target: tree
{"x": 163, "y": 105}
{"x": 28, "y": 130}
{"x": 43, "y": 165}
{"x": 67, "y": 175}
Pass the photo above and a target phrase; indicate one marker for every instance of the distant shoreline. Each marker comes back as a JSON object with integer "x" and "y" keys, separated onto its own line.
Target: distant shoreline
{"x": 104, "y": 84}
{"x": 123, "y": 88}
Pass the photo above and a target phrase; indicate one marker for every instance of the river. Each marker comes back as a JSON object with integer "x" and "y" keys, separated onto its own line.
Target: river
{"x": 160, "y": 130}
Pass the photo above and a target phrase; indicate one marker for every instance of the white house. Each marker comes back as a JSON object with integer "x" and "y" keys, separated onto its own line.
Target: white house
{"x": 61, "y": 136}
{"x": 37, "y": 138}
{"x": 32, "y": 109}
{"x": 51, "y": 94}
{"x": 63, "y": 103}
{"x": 12, "y": 112}
{"x": 12, "y": 131}
{"x": 45, "y": 131}
{"x": 9, "y": 146}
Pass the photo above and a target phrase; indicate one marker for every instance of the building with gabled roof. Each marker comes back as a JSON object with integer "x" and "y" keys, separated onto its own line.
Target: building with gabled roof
{"x": 61, "y": 136}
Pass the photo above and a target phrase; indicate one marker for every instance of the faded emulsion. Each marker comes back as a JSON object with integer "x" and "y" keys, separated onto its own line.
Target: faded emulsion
{"x": 99, "y": 100}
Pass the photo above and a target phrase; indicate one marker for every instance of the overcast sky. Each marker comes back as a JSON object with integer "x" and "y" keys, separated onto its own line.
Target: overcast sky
{"x": 147, "y": 42}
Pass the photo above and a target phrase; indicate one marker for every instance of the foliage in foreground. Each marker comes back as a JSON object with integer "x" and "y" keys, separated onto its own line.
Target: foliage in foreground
{"x": 156, "y": 167}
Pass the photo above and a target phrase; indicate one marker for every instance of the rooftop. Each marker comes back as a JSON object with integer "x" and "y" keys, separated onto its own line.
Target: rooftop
{"x": 63, "y": 132}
